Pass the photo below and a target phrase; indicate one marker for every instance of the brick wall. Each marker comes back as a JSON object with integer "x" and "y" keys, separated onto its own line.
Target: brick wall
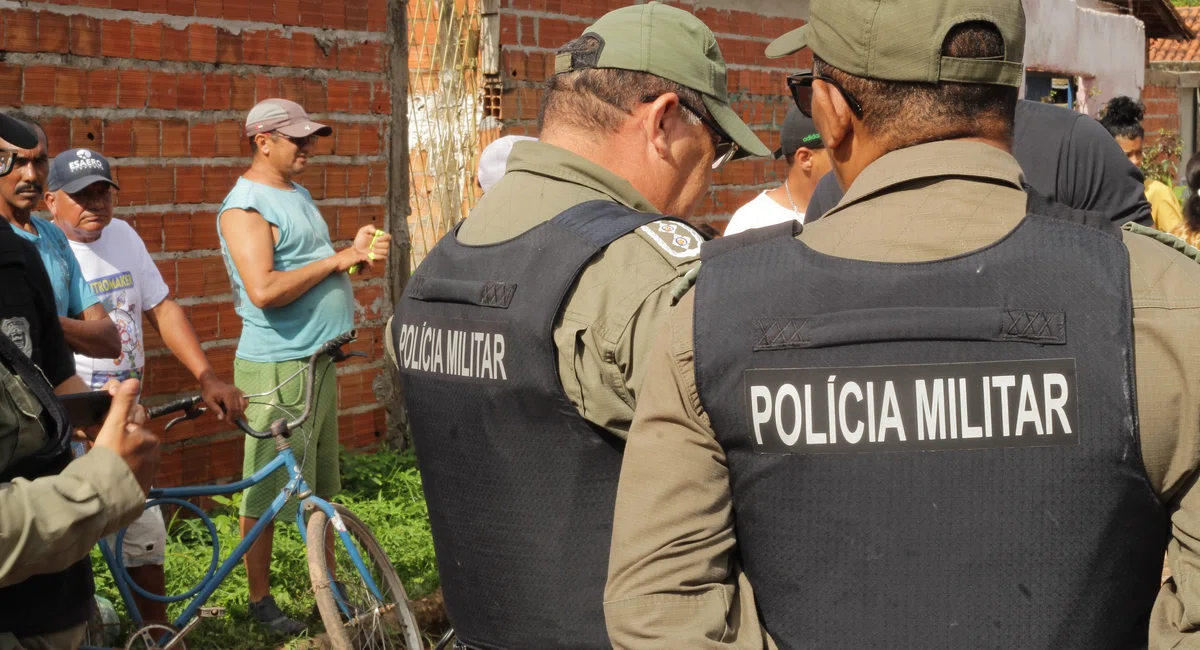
{"x": 161, "y": 87}
{"x": 1162, "y": 110}
{"x": 531, "y": 31}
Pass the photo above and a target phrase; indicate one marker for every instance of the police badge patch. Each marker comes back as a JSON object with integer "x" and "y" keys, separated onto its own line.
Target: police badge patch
{"x": 17, "y": 331}
{"x": 674, "y": 238}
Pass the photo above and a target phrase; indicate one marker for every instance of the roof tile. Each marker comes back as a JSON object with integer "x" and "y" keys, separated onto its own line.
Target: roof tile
{"x": 1164, "y": 49}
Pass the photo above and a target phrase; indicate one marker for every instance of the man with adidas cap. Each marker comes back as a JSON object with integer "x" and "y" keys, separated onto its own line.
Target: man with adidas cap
{"x": 918, "y": 423}
{"x": 521, "y": 339}
{"x": 801, "y": 147}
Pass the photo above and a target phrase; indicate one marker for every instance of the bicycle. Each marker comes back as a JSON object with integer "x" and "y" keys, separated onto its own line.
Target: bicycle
{"x": 375, "y": 614}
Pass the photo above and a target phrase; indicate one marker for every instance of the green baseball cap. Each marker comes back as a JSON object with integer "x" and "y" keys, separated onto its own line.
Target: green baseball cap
{"x": 675, "y": 45}
{"x": 901, "y": 40}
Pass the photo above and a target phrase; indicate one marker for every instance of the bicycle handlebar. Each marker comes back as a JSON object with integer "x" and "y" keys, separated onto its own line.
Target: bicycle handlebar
{"x": 330, "y": 347}
{"x": 182, "y": 404}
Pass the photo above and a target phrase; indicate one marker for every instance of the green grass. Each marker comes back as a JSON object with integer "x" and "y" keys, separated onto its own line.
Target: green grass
{"x": 383, "y": 488}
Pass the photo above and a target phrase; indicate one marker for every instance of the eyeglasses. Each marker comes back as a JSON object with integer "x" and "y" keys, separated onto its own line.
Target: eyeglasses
{"x": 801, "y": 86}
{"x": 7, "y": 158}
{"x": 723, "y": 146}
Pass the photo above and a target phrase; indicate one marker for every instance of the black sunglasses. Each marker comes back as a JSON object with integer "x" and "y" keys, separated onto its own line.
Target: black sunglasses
{"x": 723, "y": 147}
{"x": 801, "y": 86}
{"x": 299, "y": 142}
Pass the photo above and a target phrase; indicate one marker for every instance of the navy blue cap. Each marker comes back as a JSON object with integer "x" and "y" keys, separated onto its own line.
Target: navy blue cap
{"x": 75, "y": 169}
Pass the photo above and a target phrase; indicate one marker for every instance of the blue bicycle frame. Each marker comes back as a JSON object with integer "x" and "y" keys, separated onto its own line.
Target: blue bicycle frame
{"x": 215, "y": 574}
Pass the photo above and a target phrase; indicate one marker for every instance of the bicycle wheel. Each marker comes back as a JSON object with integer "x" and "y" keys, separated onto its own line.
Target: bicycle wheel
{"x": 360, "y": 621}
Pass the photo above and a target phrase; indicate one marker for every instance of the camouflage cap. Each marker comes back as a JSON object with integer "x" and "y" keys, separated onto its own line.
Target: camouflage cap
{"x": 901, "y": 40}
{"x": 675, "y": 45}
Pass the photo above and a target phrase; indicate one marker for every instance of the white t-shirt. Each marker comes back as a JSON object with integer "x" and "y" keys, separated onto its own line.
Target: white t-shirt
{"x": 122, "y": 275}
{"x": 762, "y": 211}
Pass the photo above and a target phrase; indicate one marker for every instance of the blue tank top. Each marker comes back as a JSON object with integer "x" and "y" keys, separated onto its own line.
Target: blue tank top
{"x": 297, "y": 329}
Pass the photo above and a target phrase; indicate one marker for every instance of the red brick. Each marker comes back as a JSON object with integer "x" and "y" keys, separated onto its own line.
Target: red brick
{"x": 237, "y": 9}
{"x": 314, "y": 96}
{"x": 202, "y": 40}
{"x": 347, "y": 140}
{"x": 118, "y": 139}
{"x": 147, "y": 41}
{"x": 209, "y": 8}
{"x": 58, "y": 133}
{"x": 124, "y": 5}
{"x": 217, "y": 183}
{"x": 377, "y": 15}
{"x": 229, "y": 139}
{"x": 133, "y": 86}
{"x": 333, "y": 14}
{"x": 174, "y": 139}
{"x": 279, "y": 49}
{"x": 54, "y": 32}
{"x": 116, "y": 38}
{"x": 254, "y": 47}
{"x": 229, "y": 47}
{"x": 338, "y": 95}
{"x": 203, "y": 140}
{"x": 360, "y": 97}
{"x": 174, "y": 44}
{"x": 381, "y": 101}
{"x": 370, "y": 57}
{"x": 70, "y": 85}
{"x": 217, "y": 88}
{"x": 368, "y": 140}
{"x": 85, "y": 36}
{"x": 145, "y": 138}
{"x": 152, "y": 6}
{"x": 191, "y": 91}
{"x": 358, "y": 180}
{"x": 39, "y": 85}
{"x": 553, "y": 33}
{"x": 10, "y": 85}
{"x": 289, "y": 88}
{"x": 304, "y": 50}
{"x": 133, "y": 184}
{"x": 242, "y": 94}
{"x": 160, "y": 185}
{"x": 310, "y": 13}
{"x": 357, "y": 20}
{"x": 263, "y": 12}
{"x": 335, "y": 182}
{"x": 102, "y": 88}
{"x": 379, "y": 179}
{"x": 181, "y": 7}
{"x": 86, "y": 133}
{"x": 189, "y": 185}
{"x": 149, "y": 228}
{"x": 164, "y": 91}
{"x": 21, "y": 31}
{"x": 287, "y": 12}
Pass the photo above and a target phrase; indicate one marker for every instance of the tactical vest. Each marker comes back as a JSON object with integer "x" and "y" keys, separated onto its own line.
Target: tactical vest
{"x": 520, "y": 486}
{"x": 941, "y": 454}
{"x": 35, "y": 444}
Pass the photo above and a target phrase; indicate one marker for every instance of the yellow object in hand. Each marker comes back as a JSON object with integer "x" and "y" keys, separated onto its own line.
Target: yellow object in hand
{"x": 371, "y": 255}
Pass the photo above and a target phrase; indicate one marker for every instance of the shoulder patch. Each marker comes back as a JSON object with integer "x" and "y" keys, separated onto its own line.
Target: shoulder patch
{"x": 677, "y": 241}
{"x": 1165, "y": 238}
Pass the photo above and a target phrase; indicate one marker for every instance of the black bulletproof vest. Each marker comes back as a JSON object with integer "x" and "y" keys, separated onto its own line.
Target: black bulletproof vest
{"x": 934, "y": 455}
{"x": 520, "y": 487}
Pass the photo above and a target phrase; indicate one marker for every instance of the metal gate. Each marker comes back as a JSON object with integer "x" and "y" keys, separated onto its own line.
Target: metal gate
{"x": 445, "y": 114}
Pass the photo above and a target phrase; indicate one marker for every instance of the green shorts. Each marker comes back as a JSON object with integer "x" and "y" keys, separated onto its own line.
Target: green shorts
{"x": 315, "y": 444}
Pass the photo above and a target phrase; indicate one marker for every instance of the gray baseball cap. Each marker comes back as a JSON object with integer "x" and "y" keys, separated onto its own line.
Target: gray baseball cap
{"x": 75, "y": 169}
{"x": 284, "y": 116}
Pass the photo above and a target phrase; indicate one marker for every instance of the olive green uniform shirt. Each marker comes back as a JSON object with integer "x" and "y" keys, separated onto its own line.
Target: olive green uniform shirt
{"x": 611, "y": 316}
{"x": 50, "y": 523}
{"x": 673, "y": 579}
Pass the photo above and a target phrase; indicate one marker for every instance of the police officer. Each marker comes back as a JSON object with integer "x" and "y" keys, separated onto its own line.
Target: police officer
{"x": 53, "y": 510}
{"x": 522, "y": 337}
{"x": 918, "y": 424}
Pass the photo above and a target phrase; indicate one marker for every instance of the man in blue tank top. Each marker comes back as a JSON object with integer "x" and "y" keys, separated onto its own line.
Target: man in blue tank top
{"x": 293, "y": 293}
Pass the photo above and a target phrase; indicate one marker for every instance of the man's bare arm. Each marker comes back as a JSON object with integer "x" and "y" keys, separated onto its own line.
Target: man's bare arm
{"x": 92, "y": 334}
{"x": 177, "y": 332}
{"x": 251, "y": 245}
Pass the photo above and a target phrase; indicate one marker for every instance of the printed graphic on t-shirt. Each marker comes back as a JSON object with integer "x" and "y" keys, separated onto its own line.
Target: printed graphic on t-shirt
{"x": 118, "y": 293}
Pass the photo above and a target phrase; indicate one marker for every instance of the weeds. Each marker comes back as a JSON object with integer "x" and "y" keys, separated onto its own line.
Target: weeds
{"x": 383, "y": 488}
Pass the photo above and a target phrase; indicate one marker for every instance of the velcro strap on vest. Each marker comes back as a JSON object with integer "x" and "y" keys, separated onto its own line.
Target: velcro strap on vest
{"x": 467, "y": 292}
{"x": 911, "y": 324}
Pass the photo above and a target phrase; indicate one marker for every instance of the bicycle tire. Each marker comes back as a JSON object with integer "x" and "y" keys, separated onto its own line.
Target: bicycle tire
{"x": 364, "y": 631}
